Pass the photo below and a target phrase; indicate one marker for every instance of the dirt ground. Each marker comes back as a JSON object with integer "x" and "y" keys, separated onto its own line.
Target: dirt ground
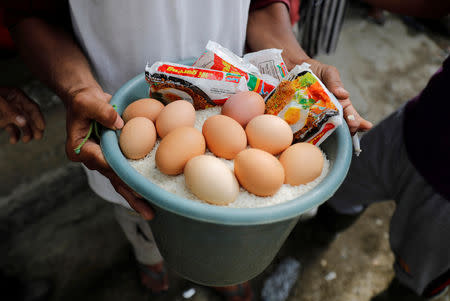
{"x": 55, "y": 230}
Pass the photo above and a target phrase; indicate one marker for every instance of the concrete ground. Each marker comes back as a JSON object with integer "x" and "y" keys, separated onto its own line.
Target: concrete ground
{"x": 54, "y": 229}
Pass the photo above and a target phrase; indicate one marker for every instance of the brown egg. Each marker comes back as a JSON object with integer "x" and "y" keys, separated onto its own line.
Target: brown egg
{"x": 137, "y": 138}
{"x": 176, "y": 114}
{"x": 302, "y": 162}
{"x": 224, "y": 136}
{"x": 244, "y": 106}
{"x": 145, "y": 107}
{"x": 177, "y": 148}
{"x": 269, "y": 133}
{"x": 258, "y": 172}
{"x": 211, "y": 180}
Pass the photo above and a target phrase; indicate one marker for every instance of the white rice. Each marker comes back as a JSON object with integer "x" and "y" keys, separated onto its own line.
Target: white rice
{"x": 176, "y": 184}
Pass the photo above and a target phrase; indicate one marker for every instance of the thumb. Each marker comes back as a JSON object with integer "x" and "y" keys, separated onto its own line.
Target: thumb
{"x": 106, "y": 115}
{"x": 332, "y": 80}
{"x": 98, "y": 109}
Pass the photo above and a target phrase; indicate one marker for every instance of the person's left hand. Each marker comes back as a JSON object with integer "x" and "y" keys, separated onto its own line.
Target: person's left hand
{"x": 84, "y": 106}
{"x": 332, "y": 80}
{"x": 19, "y": 114}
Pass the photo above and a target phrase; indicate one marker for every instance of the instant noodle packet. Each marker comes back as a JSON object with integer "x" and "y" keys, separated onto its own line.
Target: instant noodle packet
{"x": 220, "y": 58}
{"x": 268, "y": 61}
{"x": 304, "y": 102}
{"x": 204, "y": 88}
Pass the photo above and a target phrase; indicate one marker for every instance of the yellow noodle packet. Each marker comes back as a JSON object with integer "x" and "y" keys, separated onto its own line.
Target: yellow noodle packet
{"x": 304, "y": 102}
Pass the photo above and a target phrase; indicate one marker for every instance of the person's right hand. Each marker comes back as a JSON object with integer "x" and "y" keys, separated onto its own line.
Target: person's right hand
{"x": 83, "y": 107}
{"x": 20, "y": 114}
{"x": 332, "y": 80}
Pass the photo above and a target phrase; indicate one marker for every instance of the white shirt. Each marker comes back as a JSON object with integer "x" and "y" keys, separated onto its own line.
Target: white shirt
{"x": 119, "y": 37}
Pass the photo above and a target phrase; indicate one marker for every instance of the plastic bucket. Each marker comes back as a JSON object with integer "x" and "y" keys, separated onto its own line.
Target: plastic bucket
{"x": 212, "y": 245}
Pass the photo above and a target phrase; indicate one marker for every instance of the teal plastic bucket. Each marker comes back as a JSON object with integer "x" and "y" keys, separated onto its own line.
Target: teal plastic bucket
{"x": 213, "y": 245}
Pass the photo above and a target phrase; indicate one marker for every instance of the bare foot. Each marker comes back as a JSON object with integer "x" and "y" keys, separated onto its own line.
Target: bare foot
{"x": 154, "y": 277}
{"x": 239, "y": 292}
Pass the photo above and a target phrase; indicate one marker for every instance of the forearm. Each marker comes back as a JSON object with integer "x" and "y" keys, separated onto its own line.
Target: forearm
{"x": 54, "y": 57}
{"x": 269, "y": 27}
{"x": 417, "y": 8}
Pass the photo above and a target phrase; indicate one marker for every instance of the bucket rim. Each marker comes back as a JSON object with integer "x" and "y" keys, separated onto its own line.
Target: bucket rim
{"x": 171, "y": 202}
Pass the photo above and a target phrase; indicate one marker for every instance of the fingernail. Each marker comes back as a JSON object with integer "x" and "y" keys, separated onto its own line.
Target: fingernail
{"x": 21, "y": 120}
{"x": 118, "y": 124}
{"x": 351, "y": 117}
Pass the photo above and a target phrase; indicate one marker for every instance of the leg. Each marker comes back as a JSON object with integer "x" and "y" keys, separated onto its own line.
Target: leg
{"x": 137, "y": 230}
{"x": 373, "y": 175}
{"x": 420, "y": 226}
{"x": 370, "y": 179}
{"x": 420, "y": 237}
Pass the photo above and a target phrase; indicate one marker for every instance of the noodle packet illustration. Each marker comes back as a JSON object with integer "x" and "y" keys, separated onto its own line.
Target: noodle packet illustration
{"x": 220, "y": 58}
{"x": 204, "y": 88}
{"x": 268, "y": 61}
{"x": 304, "y": 102}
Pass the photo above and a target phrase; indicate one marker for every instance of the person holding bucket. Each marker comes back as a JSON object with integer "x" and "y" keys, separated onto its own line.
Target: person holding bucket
{"x": 113, "y": 40}
{"x": 405, "y": 158}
